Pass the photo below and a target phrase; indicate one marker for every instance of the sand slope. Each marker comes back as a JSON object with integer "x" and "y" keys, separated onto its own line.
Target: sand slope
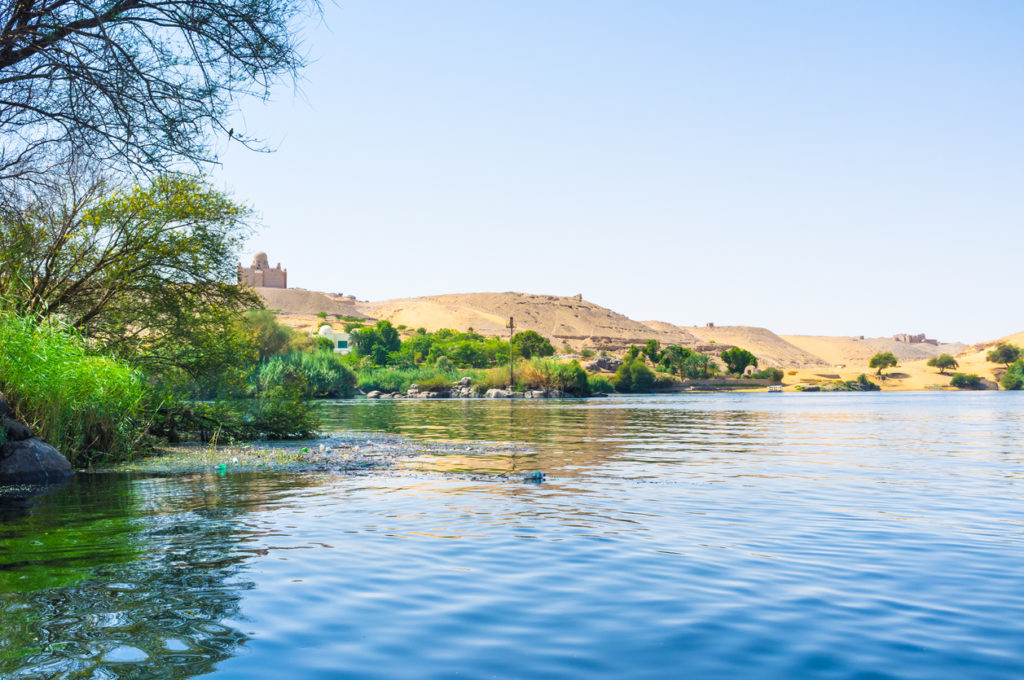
{"x": 565, "y": 320}
{"x": 299, "y": 302}
{"x": 851, "y": 351}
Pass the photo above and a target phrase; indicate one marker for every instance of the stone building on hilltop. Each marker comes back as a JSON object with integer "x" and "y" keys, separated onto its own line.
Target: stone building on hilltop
{"x": 260, "y": 275}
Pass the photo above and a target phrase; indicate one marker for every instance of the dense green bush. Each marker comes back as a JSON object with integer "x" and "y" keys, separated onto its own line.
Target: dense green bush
{"x": 967, "y": 381}
{"x": 527, "y": 344}
{"x": 464, "y": 350}
{"x": 1014, "y": 378}
{"x": 737, "y": 359}
{"x": 86, "y": 406}
{"x": 866, "y": 385}
{"x": 773, "y": 374}
{"x": 549, "y": 374}
{"x": 633, "y": 376}
{"x": 599, "y": 383}
{"x": 322, "y": 374}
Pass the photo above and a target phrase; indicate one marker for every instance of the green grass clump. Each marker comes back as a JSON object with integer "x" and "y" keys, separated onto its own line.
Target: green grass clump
{"x": 84, "y": 405}
{"x": 399, "y": 379}
{"x": 599, "y": 383}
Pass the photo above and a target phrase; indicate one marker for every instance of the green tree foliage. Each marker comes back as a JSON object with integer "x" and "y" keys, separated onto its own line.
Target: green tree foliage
{"x": 686, "y": 363}
{"x": 736, "y": 360}
{"x": 147, "y": 273}
{"x": 882, "y": 361}
{"x": 1004, "y": 353}
{"x": 270, "y": 337}
{"x": 967, "y": 381}
{"x": 463, "y": 350}
{"x": 377, "y": 342}
{"x": 136, "y": 84}
{"x": 652, "y": 350}
{"x": 943, "y": 362}
{"x": 527, "y": 344}
{"x": 633, "y": 376}
{"x": 1014, "y": 377}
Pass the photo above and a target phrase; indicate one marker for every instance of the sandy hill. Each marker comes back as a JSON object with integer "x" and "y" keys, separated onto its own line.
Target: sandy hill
{"x": 565, "y": 320}
{"x": 853, "y": 351}
{"x": 578, "y": 323}
{"x": 769, "y": 348}
{"x": 913, "y": 371}
{"x": 1013, "y": 339}
{"x": 299, "y": 302}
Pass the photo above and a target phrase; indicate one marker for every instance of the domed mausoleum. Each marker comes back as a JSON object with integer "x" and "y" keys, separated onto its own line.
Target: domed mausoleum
{"x": 260, "y": 275}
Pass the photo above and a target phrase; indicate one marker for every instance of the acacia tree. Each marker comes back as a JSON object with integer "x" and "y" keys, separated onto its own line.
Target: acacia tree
{"x": 1004, "y": 353}
{"x": 135, "y": 84}
{"x": 942, "y": 362}
{"x": 883, "y": 360}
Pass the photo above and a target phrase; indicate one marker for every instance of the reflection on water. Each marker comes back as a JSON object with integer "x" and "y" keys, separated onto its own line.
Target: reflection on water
{"x": 772, "y": 536}
{"x": 141, "y": 575}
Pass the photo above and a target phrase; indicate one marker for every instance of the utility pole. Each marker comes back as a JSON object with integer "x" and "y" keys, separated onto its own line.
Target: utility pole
{"x": 511, "y": 375}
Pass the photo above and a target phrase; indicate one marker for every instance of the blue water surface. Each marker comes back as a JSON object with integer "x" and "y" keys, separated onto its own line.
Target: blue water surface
{"x": 698, "y": 536}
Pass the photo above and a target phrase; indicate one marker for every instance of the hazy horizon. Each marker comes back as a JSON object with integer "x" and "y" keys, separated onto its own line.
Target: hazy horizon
{"x": 823, "y": 170}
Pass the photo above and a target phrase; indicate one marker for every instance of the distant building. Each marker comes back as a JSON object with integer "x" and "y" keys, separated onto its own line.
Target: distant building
{"x": 914, "y": 339}
{"x": 339, "y": 339}
{"x": 260, "y": 275}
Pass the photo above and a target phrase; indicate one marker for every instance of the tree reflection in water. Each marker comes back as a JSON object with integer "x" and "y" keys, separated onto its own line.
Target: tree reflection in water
{"x": 139, "y": 576}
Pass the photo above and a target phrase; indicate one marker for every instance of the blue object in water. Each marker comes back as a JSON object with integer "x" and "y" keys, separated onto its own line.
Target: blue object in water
{"x": 535, "y": 476}
{"x": 222, "y": 468}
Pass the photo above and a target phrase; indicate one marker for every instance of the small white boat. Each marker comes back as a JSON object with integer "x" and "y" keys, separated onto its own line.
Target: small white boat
{"x": 775, "y": 388}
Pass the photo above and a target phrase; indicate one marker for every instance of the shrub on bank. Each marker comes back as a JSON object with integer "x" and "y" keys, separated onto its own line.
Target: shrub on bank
{"x": 773, "y": 374}
{"x": 84, "y": 405}
{"x": 633, "y": 376}
{"x": 967, "y": 381}
{"x": 323, "y": 374}
{"x": 1014, "y": 378}
{"x": 399, "y": 379}
{"x": 599, "y": 383}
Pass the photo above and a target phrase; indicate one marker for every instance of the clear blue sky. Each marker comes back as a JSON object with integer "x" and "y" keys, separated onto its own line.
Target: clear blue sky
{"x": 811, "y": 167}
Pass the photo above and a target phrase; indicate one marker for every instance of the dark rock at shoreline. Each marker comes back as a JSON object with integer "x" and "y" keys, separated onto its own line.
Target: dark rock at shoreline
{"x": 495, "y": 393}
{"x": 32, "y": 461}
{"x": 24, "y": 457}
{"x": 16, "y": 431}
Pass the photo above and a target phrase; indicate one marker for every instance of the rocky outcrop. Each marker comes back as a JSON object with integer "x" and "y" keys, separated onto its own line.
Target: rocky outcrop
{"x": 495, "y": 393}
{"x": 464, "y": 389}
{"x": 610, "y": 364}
{"x": 24, "y": 457}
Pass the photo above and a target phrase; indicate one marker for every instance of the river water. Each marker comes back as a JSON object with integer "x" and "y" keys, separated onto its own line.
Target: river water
{"x": 754, "y": 535}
